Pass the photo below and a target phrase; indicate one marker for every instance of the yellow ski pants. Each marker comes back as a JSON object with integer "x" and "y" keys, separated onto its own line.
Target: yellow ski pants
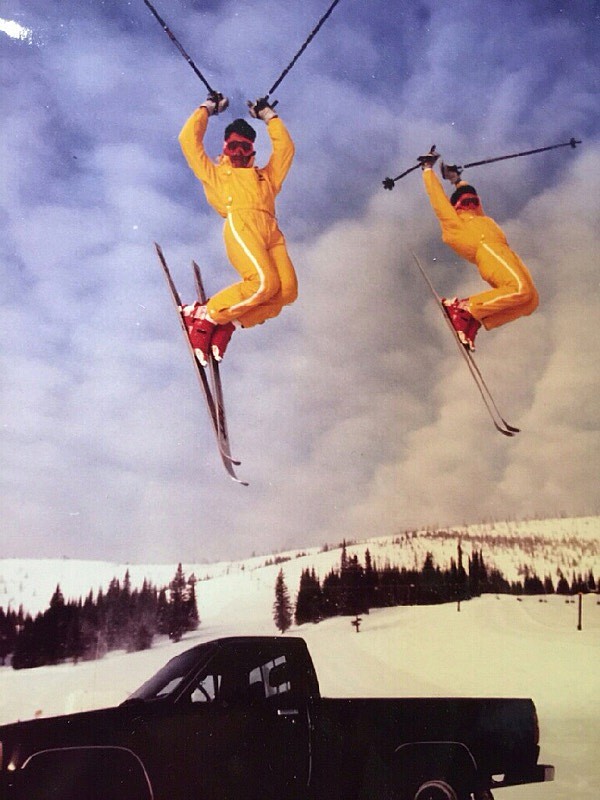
{"x": 513, "y": 294}
{"x": 257, "y": 250}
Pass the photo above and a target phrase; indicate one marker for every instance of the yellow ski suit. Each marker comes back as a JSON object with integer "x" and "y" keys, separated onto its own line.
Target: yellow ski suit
{"x": 253, "y": 242}
{"x": 481, "y": 241}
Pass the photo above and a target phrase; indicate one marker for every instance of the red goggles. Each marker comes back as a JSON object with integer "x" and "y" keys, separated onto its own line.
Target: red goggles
{"x": 467, "y": 201}
{"x": 238, "y": 146}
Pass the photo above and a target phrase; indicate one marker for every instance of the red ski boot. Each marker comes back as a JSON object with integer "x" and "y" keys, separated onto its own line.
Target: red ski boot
{"x": 463, "y": 322}
{"x": 220, "y": 340}
{"x": 200, "y": 330}
{"x": 471, "y": 332}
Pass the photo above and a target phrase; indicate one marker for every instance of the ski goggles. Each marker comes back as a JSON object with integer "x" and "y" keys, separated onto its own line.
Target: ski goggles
{"x": 232, "y": 146}
{"x": 467, "y": 201}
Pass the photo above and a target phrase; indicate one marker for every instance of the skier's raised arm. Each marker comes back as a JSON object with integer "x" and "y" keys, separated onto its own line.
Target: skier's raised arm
{"x": 191, "y": 138}
{"x": 282, "y": 154}
{"x": 442, "y": 207}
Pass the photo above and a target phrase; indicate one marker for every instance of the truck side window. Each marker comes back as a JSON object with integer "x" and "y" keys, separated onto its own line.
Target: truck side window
{"x": 272, "y": 676}
{"x": 169, "y": 687}
{"x": 207, "y": 689}
{"x": 233, "y": 683}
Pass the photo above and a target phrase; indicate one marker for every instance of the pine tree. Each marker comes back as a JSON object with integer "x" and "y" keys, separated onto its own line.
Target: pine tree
{"x": 344, "y": 557}
{"x": 532, "y": 584}
{"x": 27, "y": 651}
{"x": 330, "y": 592}
{"x": 352, "y": 600}
{"x": 114, "y": 623}
{"x": 193, "y": 617}
{"x": 93, "y": 634}
{"x": 53, "y": 625}
{"x": 370, "y": 583}
{"x": 142, "y": 622}
{"x": 100, "y": 619}
{"x": 309, "y": 598}
{"x": 162, "y": 612}
{"x": 282, "y": 607}
{"x": 75, "y": 647}
{"x": 475, "y": 573}
{"x": 177, "y": 606}
{"x": 8, "y": 633}
{"x": 562, "y": 586}
{"x": 301, "y": 613}
{"x": 548, "y": 585}
{"x": 591, "y": 581}
{"x": 461, "y": 576}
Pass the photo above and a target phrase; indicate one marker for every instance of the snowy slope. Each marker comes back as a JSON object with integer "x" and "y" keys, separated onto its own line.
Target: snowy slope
{"x": 493, "y": 646}
{"x": 498, "y": 646}
{"x": 545, "y": 546}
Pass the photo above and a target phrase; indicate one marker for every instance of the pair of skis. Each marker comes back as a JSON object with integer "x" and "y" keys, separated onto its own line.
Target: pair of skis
{"x": 498, "y": 420}
{"x": 209, "y": 378}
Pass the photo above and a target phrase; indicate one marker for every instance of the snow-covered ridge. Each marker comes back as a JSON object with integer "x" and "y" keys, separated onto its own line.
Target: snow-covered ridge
{"x": 545, "y": 547}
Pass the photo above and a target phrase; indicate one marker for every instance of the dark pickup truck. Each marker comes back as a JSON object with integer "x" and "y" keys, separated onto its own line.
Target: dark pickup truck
{"x": 242, "y": 719}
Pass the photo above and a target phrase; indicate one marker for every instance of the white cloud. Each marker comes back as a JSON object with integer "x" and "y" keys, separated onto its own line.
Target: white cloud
{"x": 352, "y": 409}
{"x": 16, "y": 31}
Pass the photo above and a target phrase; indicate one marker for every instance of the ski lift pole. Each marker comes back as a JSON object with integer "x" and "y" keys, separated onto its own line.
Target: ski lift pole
{"x": 388, "y": 183}
{"x": 173, "y": 38}
{"x": 309, "y": 39}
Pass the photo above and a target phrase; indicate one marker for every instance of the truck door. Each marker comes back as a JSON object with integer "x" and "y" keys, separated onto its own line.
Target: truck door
{"x": 240, "y": 730}
{"x": 286, "y": 724}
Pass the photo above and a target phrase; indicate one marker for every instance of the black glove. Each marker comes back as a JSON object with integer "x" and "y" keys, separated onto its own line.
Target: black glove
{"x": 429, "y": 159}
{"x": 261, "y": 109}
{"x": 215, "y": 103}
{"x": 450, "y": 172}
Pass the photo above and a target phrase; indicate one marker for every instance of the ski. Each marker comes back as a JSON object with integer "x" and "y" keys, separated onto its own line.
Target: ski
{"x": 498, "y": 420}
{"x": 217, "y": 394}
{"x": 203, "y": 378}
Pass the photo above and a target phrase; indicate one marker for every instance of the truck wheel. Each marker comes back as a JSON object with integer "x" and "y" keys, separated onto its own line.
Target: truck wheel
{"x": 436, "y": 790}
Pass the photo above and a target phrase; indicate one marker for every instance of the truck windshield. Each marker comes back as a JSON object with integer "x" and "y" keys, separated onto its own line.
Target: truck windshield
{"x": 173, "y": 675}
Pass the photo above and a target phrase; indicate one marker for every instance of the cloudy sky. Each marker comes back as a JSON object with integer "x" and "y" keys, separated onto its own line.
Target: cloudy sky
{"x": 352, "y": 412}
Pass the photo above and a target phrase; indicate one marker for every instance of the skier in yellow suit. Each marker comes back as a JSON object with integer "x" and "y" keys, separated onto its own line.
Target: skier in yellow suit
{"x": 479, "y": 239}
{"x": 245, "y": 196}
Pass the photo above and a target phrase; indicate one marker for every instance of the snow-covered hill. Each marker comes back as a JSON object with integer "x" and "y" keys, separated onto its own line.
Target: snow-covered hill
{"x": 498, "y": 646}
{"x": 547, "y": 547}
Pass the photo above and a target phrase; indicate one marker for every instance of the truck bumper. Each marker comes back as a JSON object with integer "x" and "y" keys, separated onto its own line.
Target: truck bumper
{"x": 538, "y": 774}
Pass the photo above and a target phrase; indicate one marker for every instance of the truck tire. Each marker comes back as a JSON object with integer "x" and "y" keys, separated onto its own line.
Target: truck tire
{"x": 436, "y": 790}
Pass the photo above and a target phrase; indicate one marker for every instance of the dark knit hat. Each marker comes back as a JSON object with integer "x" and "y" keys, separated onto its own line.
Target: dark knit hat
{"x": 464, "y": 188}
{"x": 242, "y": 128}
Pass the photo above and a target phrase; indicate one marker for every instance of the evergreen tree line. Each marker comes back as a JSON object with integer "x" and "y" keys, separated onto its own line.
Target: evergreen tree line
{"x": 354, "y": 588}
{"x": 121, "y": 618}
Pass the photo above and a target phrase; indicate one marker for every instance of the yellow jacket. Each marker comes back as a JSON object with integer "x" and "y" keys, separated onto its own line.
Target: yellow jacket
{"x": 231, "y": 189}
{"x": 463, "y": 231}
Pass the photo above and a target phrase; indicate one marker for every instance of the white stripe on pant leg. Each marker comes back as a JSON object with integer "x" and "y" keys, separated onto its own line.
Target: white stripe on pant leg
{"x": 252, "y": 258}
{"x": 515, "y": 275}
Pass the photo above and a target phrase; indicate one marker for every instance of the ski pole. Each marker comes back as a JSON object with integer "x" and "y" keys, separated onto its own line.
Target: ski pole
{"x": 388, "y": 183}
{"x": 173, "y": 38}
{"x": 571, "y": 143}
{"x": 311, "y": 36}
